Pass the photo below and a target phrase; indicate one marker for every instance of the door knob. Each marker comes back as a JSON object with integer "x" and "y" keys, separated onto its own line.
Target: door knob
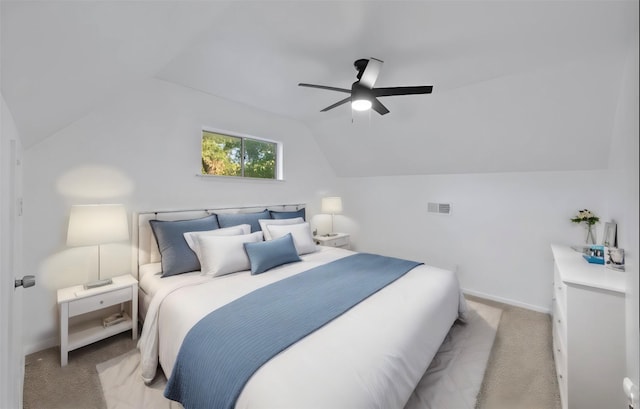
{"x": 26, "y": 282}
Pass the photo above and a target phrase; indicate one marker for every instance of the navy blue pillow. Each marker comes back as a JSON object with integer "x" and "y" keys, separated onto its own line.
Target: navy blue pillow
{"x": 288, "y": 215}
{"x": 234, "y": 219}
{"x": 177, "y": 257}
{"x": 265, "y": 255}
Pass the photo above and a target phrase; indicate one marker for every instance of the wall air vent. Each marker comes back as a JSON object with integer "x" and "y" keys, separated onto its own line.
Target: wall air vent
{"x": 439, "y": 208}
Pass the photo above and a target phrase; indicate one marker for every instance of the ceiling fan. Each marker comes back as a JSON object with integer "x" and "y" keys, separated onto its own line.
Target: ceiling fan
{"x": 363, "y": 95}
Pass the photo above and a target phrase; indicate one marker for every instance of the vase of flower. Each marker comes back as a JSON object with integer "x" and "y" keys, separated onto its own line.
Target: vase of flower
{"x": 589, "y": 219}
{"x": 591, "y": 238}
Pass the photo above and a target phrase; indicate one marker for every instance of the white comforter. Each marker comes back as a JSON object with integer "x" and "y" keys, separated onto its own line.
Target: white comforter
{"x": 370, "y": 357}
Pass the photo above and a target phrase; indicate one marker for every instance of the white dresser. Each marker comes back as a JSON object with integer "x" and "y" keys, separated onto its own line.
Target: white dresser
{"x": 588, "y": 332}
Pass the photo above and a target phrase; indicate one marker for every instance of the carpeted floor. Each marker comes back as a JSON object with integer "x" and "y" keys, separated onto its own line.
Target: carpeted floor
{"x": 47, "y": 385}
{"x": 520, "y": 372}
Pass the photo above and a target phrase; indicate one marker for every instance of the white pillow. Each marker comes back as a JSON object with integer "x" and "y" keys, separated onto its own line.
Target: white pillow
{"x": 191, "y": 236}
{"x": 221, "y": 255}
{"x": 301, "y": 233}
{"x": 266, "y": 222}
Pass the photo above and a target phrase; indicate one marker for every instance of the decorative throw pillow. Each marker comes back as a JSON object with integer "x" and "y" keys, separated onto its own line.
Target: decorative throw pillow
{"x": 266, "y": 222}
{"x": 190, "y": 237}
{"x": 266, "y": 255}
{"x": 220, "y": 255}
{"x": 176, "y": 256}
{"x": 234, "y": 219}
{"x": 288, "y": 215}
{"x": 301, "y": 233}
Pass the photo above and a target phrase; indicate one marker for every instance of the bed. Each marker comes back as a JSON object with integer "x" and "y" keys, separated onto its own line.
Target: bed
{"x": 371, "y": 356}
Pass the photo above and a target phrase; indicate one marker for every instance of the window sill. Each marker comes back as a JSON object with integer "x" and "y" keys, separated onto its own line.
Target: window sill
{"x": 239, "y": 178}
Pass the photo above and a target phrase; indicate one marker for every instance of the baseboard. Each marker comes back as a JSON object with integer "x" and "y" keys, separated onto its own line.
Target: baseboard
{"x": 507, "y": 301}
{"x": 40, "y": 345}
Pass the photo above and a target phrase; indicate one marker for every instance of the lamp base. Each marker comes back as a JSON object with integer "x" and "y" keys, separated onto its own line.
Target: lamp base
{"x": 99, "y": 283}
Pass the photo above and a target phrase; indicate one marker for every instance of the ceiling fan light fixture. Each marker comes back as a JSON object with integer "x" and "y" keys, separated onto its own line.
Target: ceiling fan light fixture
{"x": 361, "y": 104}
{"x": 363, "y": 95}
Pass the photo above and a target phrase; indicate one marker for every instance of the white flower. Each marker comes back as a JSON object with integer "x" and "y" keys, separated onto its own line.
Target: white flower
{"x": 585, "y": 215}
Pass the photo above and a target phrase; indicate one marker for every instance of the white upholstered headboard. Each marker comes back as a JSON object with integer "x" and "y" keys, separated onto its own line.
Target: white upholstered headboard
{"x": 146, "y": 250}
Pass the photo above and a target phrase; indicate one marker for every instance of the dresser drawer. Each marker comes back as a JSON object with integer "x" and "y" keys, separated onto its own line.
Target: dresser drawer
{"x": 560, "y": 358}
{"x": 559, "y": 353}
{"x": 98, "y": 301}
{"x": 558, "y": 323}
{"x": 559, "y": 289}
{"x": 562, "y": 386}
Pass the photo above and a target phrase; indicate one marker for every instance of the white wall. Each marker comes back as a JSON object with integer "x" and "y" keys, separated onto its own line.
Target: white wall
{"x": 497, "y": 236}
{"x": 143, "y": 149}
{"x": 623, "y": 199}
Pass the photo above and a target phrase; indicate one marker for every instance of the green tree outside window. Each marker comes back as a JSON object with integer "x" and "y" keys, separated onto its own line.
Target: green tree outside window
{"x": 227, "y": 155}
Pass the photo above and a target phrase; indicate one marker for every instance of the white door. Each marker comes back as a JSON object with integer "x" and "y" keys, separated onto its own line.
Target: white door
{"x": 11, "y": 352}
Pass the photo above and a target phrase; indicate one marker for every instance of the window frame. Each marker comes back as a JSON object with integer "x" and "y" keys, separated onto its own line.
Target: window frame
{"x": 279, "y": 175}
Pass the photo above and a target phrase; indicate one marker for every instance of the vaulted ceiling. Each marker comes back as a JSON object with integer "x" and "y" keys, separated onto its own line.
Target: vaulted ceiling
{"x": 517, "y": 84}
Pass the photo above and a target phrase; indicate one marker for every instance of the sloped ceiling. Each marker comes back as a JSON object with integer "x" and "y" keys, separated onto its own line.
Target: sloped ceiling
{"x": 518, "y": 85}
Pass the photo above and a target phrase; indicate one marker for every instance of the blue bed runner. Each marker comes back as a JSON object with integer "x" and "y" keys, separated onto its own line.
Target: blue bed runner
{"x": 226, "y": 347}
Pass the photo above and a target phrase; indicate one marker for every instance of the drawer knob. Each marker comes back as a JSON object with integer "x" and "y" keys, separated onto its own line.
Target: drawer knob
{"x": 101, "y": 302}
{"x": 559, "y": 288}
{"x": 559, "y": 321}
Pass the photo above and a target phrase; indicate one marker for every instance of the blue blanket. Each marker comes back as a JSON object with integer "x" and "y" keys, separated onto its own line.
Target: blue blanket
{"x": 226, "y": 347}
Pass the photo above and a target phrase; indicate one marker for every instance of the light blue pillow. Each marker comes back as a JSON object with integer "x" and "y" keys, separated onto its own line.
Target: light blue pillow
{"x": 265, "y": 255}
{"x": 234, "y": 219}
{"x": 176, "y": 256}
{"x": 288, "y": 215}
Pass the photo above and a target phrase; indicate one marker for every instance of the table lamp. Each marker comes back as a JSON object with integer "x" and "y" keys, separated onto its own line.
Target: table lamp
{"x": 331, "y": 205}
{"x": 94, "y": 225}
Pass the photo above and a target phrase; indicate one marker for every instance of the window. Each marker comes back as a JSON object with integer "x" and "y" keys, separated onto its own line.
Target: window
{"x": 224, "y": 154}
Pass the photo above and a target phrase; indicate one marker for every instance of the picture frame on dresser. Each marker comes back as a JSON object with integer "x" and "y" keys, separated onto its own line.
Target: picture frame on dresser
{"x": 615, "y": 259}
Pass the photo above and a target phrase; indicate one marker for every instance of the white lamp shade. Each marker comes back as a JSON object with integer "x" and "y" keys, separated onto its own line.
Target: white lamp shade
{"x": 91, "y": 225}
{"x": 331, "y": 205}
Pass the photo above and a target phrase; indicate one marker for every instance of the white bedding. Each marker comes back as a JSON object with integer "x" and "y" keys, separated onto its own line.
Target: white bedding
{"x": 370, "y": 357}
{"x": 150, "y": 281}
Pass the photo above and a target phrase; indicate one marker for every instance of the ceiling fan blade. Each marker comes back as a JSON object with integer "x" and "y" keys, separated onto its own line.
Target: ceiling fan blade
{"x": 378, "y": 107}
{"x": 325, "y": 87}
{"x": 385, "y": 92}
{"x": 370, "y": 74}
{"x": 337, "y": 104}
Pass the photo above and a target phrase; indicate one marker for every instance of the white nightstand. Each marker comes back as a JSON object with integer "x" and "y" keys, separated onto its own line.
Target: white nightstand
{"x": 76, "y": 301}
{"x": 341, "y": 240}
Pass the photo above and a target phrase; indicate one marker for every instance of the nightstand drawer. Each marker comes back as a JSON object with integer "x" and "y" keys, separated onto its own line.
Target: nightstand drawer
{"x": 342, "y": 240}
{"x": 98, "y": 301}
{"x": 337, "y": 242}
